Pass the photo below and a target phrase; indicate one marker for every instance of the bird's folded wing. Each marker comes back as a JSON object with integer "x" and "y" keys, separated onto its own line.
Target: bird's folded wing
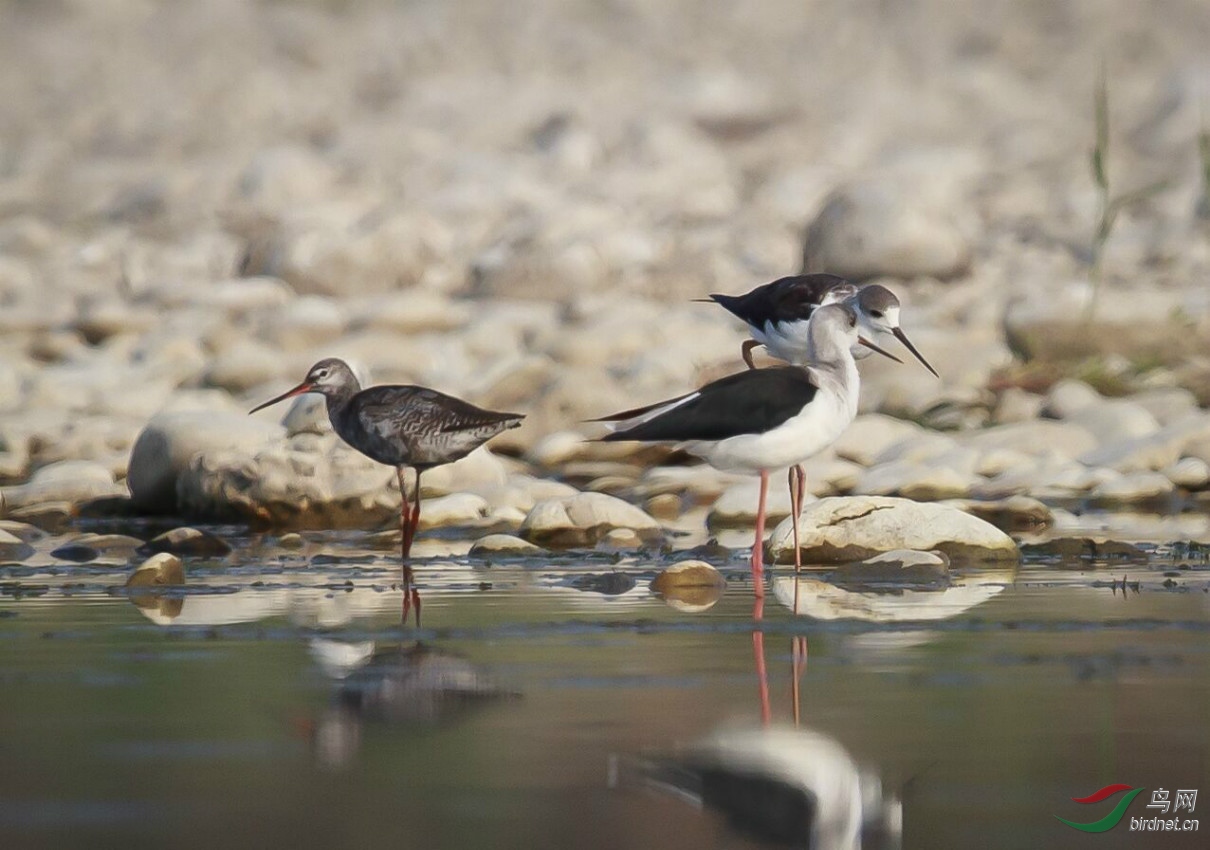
{"x": 750, "y": 402}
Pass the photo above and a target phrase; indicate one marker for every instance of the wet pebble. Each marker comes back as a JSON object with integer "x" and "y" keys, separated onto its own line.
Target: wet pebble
{"x": 76, "y": 553}
{"x": 584, "y": 519}
{"x": 13, "y": 548}
{"x": 690, "y": 586}
{"x": 502, "y": 545}
{"x": 160, "y": 569}
{"x": 187, "y": 541}
{"x": 608, "y": 584}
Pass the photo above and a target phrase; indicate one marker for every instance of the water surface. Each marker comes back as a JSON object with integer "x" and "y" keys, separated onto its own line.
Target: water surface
{"x": 277, "y": 700}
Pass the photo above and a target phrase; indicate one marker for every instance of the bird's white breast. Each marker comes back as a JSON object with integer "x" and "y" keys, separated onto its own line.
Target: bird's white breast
{"x": 807, "y": 433}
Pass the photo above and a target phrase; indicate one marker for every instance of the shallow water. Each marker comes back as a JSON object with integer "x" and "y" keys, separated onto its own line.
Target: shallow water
{"x": 276, "y": 699}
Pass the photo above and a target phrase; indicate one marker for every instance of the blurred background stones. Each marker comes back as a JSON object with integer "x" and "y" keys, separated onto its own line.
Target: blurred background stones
{"x": 516, "y": 204}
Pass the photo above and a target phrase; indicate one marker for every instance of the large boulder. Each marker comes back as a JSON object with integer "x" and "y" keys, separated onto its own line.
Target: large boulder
{"x": 308, "y": 481}
{"x": 66, "y": 481}
{"x": 170, "y": 442}
{"x": 844, "y": 529}
{"x": 871, "y": 229}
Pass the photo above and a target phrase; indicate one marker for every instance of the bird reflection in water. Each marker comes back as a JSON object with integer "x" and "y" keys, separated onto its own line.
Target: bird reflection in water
{"x": 777, "y": 783}
{"x": 414, "y": 685}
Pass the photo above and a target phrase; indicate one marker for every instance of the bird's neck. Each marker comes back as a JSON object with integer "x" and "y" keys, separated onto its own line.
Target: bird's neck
{"x": 338, "y": 398}
{"x": 835, "y": 361}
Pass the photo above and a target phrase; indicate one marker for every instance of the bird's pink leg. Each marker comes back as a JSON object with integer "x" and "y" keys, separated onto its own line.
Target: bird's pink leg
{"x": 798, "y": 491}
{"x": 798, "y": 665}
{"x": 749, "y": 344}
{"x": 762, "y": 673}
{"x": 758, "y": 545}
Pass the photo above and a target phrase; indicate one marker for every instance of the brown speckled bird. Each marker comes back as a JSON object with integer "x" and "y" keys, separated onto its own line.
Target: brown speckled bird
{"x": 400, "y": 426}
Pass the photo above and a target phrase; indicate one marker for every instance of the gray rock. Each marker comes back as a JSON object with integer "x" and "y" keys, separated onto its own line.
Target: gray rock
{"x": 1017, "y": 405}
{"x": 584, "y": 519}
{"x": 915, "y": 481}
{"x": 1068, "y": 397}
{"x": 871, "y": 229}
{"x": 187, "y": 541}
{"x": 1133, "y": 487}
{"x": 690, "y": 586}
{"x": 161, "y": 570}
{"x": 13, "y": 548}
{"x": 69, "y": 481}
{"x": 1167, "y": 404}
{"x": 840, "y": 530}
{"x": 1014, "y": 514}
{"x": 1040, "y": 437}
{"x": 170, "y": 442}
{"x": 454, "y": 509}
{"x": 871, "y": 434}
{"x": 1114, "y": 420}
{"x": 502, "y": 545}
{"x": 308, "y": 482}
{"x": 1189, "y": 473}
{"x": 897, "y": 567}
{"x": 736, "y": 507}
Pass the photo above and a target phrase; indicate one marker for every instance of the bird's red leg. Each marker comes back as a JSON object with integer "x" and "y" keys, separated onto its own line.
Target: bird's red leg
{"x": 749, "y": 344}
{"x": 415, "y": 525}
{"x": 798, "y": 491}
{"x": 405, "y": 544}
{"x": 758, "y": 545}
{"x": 762, "y": 673}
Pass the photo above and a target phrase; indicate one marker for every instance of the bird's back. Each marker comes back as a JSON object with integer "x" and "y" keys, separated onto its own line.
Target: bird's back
{"x": 786, "y": 299}
{"x": 417, "y": 426}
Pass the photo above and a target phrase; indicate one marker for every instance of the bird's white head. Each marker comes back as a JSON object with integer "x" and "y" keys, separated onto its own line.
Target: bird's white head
{"x": 878, "y": 317}
{"x": 835, "y": 329}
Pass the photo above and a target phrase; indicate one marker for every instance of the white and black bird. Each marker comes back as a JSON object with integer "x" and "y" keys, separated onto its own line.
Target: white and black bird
{"x": 400, "y": 426}
{"x": 779, "y": 313}
{"x": 763, "y": 419}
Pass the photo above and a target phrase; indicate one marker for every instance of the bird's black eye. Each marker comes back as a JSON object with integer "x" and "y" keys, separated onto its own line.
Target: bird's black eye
{"x": 877, "y": 314}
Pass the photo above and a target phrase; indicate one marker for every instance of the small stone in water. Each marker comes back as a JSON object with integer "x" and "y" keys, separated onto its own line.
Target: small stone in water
{"x": 162, "y": 569}
{"x": 690, "y": 585}
{"x": 187, "y": 541}
{"x": 609, "y": 584}
{"x": 75, "y": 553}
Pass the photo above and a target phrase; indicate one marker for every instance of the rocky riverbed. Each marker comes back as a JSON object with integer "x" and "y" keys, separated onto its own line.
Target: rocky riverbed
{"x": 198, "y": 201}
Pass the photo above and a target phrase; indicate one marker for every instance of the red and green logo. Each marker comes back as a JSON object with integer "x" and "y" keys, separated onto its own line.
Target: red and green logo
{"x": 1110, "y": 820}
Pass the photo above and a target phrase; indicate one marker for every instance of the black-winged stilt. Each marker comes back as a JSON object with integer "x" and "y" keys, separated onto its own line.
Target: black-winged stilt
{"x": 763, "y": 419}
{"x": 778, "y": 314}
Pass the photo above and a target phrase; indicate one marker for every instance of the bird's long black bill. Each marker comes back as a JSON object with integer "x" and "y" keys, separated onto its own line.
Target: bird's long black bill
{"x": 299, "y": 390}
{"x": 873, "y": 347}
{"x": 902, "y": 337}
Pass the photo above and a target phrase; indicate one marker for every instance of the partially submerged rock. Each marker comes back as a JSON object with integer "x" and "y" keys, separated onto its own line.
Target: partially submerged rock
{"x": 502, "y": 545}
{"x": 844, "y": 529}
{"x": 584, "y": 519}
{"x": 690, "y": 586}
{"x": 897, "y": 567}
{"x": 168, "y": 445}
{"x": 187, "y": 541}
{"x": 160, "y": 570}
{"x": 13, "y": 548}
{"x": 1013, "y": 514}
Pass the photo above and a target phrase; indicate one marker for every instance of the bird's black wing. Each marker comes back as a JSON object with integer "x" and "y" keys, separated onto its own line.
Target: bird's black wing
{"x": 749, "y": 402}
{"x": 635, "y": 412}
{"x": 785, "y": 299}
